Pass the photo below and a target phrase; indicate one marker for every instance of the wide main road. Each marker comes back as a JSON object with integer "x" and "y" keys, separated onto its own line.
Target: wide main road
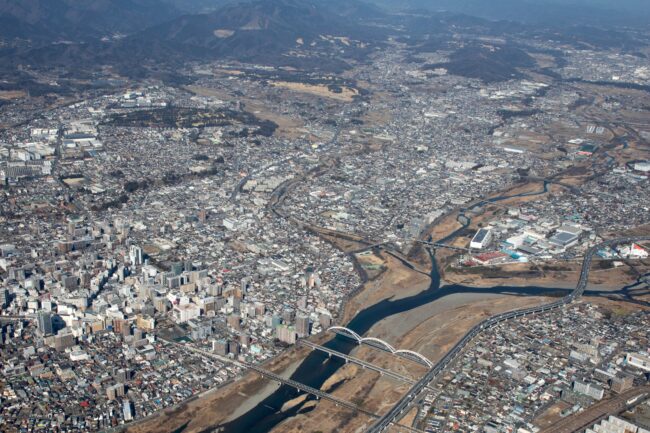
{"x": 402, "y": 406}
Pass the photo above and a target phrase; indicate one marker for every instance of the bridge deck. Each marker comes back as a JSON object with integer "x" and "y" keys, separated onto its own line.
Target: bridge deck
{"x": 357, "y": 361}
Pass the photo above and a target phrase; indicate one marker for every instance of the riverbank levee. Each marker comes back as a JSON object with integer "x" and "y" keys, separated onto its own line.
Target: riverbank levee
{"x": 393, "y": 415}
{"x": 393, "y": 305}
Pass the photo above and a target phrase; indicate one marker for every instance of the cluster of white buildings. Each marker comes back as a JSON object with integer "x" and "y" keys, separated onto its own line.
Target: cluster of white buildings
{"x": 615, "y": 425}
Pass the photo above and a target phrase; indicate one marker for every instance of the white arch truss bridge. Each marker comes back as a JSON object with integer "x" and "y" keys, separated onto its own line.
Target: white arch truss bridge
{"x": 382, "y": 345}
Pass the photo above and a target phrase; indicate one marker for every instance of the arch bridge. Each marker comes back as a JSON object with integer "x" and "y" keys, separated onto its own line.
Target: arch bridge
{"x": 381, "y": 345}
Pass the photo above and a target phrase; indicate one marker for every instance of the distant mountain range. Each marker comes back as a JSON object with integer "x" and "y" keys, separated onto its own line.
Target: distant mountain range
{"x": 79, "y": 19}
{"x": 139, "y": 38}
{"x": 340, "y": 6}
{"x": 79, "y": 32}
{"x": 544, "y": 12}
{"x": 254, "y": 30}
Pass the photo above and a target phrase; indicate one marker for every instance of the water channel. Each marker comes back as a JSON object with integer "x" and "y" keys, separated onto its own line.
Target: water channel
{"x": 318, "y": 367}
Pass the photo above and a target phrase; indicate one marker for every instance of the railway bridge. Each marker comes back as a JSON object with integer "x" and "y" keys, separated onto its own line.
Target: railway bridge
{"x": 352, "y": 359}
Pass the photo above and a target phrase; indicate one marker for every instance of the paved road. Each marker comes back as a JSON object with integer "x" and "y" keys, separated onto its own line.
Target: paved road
{"x": 402, "y": 406}
{"x": 276, "y": 377}
{"x": 593, "y": 414}
{"x": 441, "y": 245}
{"x": 26, "y": 317}
{"x": 352, "y": 359}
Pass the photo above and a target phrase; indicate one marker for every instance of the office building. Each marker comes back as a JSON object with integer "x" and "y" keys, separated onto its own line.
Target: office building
{"x": 234, "y": 321}
{"x": 45, "y": 325}
{"x": 288, "y": 315}
{"x": 302, "y": 325}
{"x": 4, "y": 298}
{"x": 622, "y": 383}
{"x": 128, "y": 410}
{"x": 589, "y": 389}
{"x": 135, "y": 255}
{"x": 220, "y": 347}
{"x": 638, "y": 360}
{"x": 63, "y": 340}
{"x": 185, "y": 313}
{"x": 286, "y": 334}
{"x": 233, "y": 347}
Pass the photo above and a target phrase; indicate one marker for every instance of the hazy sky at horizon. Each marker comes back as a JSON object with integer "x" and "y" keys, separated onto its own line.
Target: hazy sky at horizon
{"x": 613, "y": 4}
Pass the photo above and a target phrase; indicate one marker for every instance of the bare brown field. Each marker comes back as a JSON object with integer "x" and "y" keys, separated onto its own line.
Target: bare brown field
{"x": 551, "y": 415}
{"x": 643, "y": 230}
{"x": 558, "y": 274}
{"x": 448, "y": 224}
{"x": 396, "y": 282}
{"x": 543, "y": 60}
{"x": 359, "y": 386}
{"x": 346, "y": 245}
{"x": 532, "y": 141}
{"x": 347, "y": 94}
{"x": 447, "y": 322}
{"x": 12, "y": 94}
{"x": 373, "y": 264}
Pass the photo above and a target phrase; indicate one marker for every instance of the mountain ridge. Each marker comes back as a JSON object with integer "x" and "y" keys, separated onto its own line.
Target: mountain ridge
{"x": 261, "y": 31}
{"x": 79, "y": 19}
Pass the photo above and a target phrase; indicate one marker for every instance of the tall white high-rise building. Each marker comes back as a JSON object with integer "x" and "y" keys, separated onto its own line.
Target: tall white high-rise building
{"x": 135, "y": 255}
{"x": 128, "y": 410}
{"x": 4, "y": 297}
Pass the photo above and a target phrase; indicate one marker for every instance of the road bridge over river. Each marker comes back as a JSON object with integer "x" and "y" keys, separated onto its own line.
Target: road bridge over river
{"x": 289, "y": 382}
{"x": 381, "y": 345}
{"x": 276, "y": 377}
{"x": 352, "y": 359}
{"x": 441, "y": 245}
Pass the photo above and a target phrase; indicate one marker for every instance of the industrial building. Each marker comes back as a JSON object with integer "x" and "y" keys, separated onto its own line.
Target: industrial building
{"x": 481, "y": 239}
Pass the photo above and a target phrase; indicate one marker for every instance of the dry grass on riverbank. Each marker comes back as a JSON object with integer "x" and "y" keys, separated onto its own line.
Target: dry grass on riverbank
{"x": 560, "y": 274}
{"x": 214, "y": 408}
{"x": 431, "y": 335}
{"x": 397, "y": 281}
{"x": 217, "y": 406}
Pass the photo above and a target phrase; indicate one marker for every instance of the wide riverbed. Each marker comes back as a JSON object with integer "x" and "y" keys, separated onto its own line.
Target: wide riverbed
{"x": 317, "y": 367}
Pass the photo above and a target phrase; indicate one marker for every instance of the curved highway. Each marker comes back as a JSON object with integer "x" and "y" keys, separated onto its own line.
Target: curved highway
{"x": 402, "y": 406}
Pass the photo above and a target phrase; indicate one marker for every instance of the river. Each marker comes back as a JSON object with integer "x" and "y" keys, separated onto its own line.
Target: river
{"x": 318, "y": 367}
